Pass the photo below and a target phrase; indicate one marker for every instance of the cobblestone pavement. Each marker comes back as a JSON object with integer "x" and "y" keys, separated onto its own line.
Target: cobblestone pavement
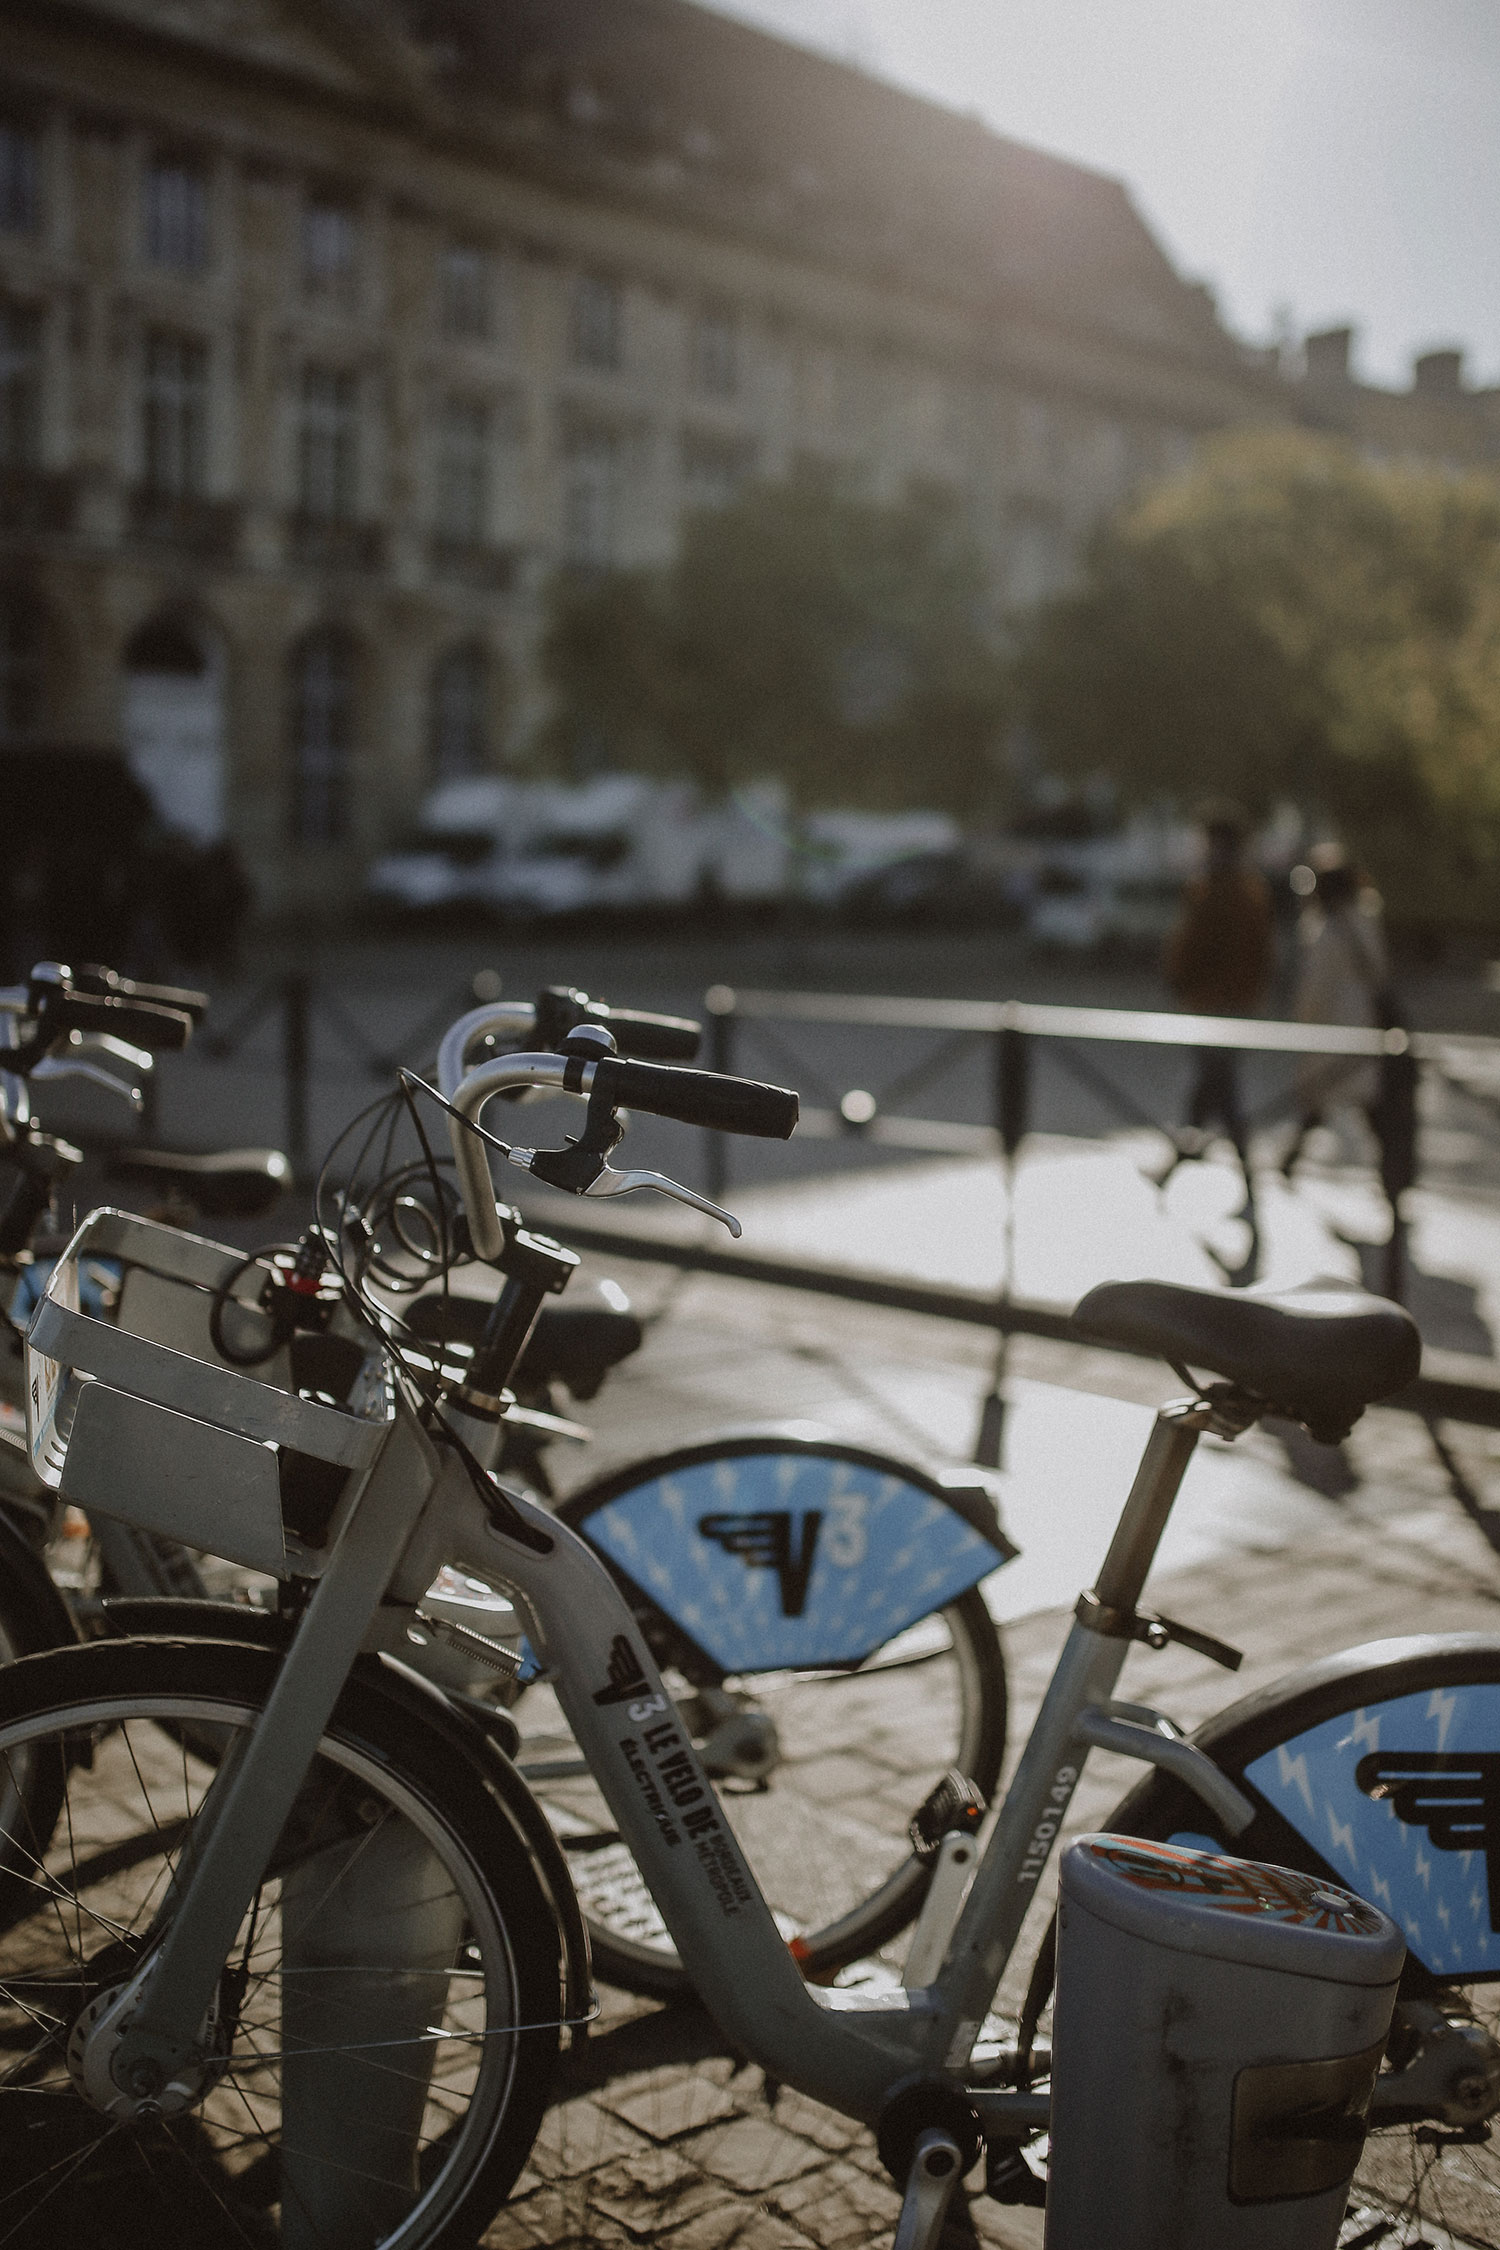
{"x": 659, "y": 2134}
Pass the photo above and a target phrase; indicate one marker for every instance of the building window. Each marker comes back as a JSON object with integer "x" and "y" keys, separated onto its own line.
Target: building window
{"x": 714, "y": 469}
{"x": 460, "y": 700}
{"x": 590, "y": 486}
{"x": 328, "y": 444}
{"x": 463, "y": 472}
{"x": 20, "y": 385}
{"x": 713, "y": 365}
{"x": 19, "y": 168}
{"x": 464, "y": 292}
{"x": 21, "y": 632}
{"x": 175, "y": 400}
{"x": 176, "y": 213}
{"x": 596, "y": 330}
{"x": 329, "y": 246}
{"x": 322, "y": 731}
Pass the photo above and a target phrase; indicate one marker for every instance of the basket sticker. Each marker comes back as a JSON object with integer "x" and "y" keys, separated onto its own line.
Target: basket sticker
{"x": 778, "y": 1559}
{"x": 1403, "y": 1799}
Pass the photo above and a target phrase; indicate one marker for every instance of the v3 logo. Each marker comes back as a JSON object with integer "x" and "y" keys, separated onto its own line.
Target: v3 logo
{"x": 1453, "y": 1794}
{"x": 765, "y": 1541}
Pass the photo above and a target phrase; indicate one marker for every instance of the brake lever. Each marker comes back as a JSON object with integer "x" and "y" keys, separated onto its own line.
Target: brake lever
{"x": 607, "y": 1181}
{"x": 51, "y": 1067}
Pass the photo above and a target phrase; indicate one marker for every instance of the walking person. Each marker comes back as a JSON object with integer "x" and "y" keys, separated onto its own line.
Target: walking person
{"x": 1218, "y": 962}
{"x": 1343, "y": 978}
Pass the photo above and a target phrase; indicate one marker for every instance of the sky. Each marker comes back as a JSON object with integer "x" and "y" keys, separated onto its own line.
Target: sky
{"x": 1316, "y": 162}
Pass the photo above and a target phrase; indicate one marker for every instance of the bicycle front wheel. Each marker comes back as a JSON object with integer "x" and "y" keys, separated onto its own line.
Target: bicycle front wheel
{"x": 379, "y": 2053}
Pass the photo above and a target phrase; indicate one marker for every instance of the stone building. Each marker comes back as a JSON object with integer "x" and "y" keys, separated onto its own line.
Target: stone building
{"x": 328, "y": 330}
{"x": 1441, "y": 420}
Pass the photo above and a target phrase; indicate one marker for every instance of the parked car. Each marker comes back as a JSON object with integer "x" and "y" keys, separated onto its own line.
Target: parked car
{"x": 535, "y": 850}
{"x": 946, "y": 889}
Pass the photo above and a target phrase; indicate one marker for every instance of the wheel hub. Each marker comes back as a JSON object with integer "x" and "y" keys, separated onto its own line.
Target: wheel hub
{"x": 149, "y": 2091}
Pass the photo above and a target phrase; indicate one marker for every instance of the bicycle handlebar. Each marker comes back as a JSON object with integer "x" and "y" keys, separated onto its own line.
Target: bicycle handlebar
{"x": 557, "y": 1011}
{"x": 109, "y": 984}
{"x": 730, "y": 1105}
{"x": 696, "y": 1097}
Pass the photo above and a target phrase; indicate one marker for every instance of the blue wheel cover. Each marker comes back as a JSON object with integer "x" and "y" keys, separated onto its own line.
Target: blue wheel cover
{"x": 790, "y": 1560}
{"x": 1402, "y": 1798}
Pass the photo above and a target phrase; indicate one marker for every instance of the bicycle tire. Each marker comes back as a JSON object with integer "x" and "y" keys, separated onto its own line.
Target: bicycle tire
{"x": 805, "y": 1851}
{"x": 340, "y": 2149}
{"x": 1300, "y": 1741}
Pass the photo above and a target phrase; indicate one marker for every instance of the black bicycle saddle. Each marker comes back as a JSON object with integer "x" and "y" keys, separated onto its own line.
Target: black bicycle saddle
{"x": 1319, "y": 1354}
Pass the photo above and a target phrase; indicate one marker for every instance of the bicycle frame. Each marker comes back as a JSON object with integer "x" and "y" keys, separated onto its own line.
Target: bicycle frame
{"x": 847, "y": 2049}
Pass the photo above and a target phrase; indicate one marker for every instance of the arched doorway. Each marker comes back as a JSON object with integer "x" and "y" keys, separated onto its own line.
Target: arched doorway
{"x": 172, "y": 721}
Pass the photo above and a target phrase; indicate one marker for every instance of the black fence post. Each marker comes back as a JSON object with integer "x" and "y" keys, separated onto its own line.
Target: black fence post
{"x": 718, "y": 1006}
{"x": 296, "y": 1024}
{"x": 1012, "y": 1111}
{"x": 1395, "y": 1121}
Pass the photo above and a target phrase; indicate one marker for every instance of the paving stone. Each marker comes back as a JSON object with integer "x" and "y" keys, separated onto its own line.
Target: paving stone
{"x": 738, "y": 2227}
{"x": 753, "y": 2154}
{"x": 653, "y": 2191}
{"x": 666, "y": 2111}
{"x": 840, "y": 2205}
{"x": 578, "y": 2136}
{"x": 812, "y": 2122}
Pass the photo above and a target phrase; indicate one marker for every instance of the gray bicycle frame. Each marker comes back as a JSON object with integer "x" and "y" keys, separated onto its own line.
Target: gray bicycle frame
{"x": 420, "y": 1509}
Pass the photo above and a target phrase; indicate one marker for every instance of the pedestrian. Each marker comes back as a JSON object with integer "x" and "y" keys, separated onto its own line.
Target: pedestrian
{"x": 1218, "y": 962}
{"x": 1343, "y": 977}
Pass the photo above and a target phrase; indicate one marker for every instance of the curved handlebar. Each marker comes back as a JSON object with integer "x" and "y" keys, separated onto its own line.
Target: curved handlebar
{"x": 694, "y": 1097}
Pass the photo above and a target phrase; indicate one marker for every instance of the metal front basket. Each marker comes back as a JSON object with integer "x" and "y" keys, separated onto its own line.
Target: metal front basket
{"x": 140, "y": 1416}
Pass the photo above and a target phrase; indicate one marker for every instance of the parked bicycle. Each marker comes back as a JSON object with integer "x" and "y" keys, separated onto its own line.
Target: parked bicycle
{"x": 308, "y": 1988}
{"x": 781, "y": 1697}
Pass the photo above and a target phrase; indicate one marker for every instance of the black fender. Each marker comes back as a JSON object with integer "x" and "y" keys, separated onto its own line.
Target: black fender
{"x": 486, "y": 1740}
{"x": 41, "y": 1616}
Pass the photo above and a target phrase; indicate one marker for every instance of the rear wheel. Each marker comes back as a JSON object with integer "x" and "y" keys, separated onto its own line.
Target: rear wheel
{"x": 1321, "y": 1757}
{"x": 385, "y": 2026}
{"x": 825, "y": 1770}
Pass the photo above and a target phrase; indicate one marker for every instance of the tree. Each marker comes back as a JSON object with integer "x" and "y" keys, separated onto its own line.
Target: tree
{"x": 1289, "y": 620}
{"x": 834, "y": 642}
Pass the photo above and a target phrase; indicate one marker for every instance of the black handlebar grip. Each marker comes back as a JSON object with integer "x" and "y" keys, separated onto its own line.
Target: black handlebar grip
{"x": 698, "y": 1097}
{"x": 663, "y": 1039}
{"x": 161, "y": 1031}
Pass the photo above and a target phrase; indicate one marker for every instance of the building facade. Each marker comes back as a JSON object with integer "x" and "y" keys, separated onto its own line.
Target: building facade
{"x": 328, "y": 332}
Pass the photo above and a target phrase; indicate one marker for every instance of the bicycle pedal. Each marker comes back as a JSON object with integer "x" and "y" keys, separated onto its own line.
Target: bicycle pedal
{"x": 956, "y": 1807}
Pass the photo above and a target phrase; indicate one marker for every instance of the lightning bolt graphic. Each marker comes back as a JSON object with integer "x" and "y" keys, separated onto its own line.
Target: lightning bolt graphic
{"x": 1443, "y": 1915}
{"x": 1476, "y": 1904}
{"x": 1441, "y": 1707}
{"x": 1342, "y": 1832}
{"x": 1366, "y": 1731}
{"x": 673, "y": 1501}
{"x": 1381, "y": 1889}
{"x": 1294, "y": 1769}
{"x": 1424, "y": 1869}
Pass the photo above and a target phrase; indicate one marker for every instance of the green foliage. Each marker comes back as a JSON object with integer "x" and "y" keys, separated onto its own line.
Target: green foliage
{"x": 802, "y": 633}
{"x": 1289, "y": 620}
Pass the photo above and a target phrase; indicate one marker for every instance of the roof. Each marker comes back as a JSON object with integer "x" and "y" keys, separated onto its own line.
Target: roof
{"x": 796, "y": 141}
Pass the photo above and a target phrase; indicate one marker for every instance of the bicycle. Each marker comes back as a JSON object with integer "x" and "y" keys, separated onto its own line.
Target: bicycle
{"x": 775, "y": 1706}
{"x": 317, "y": 1983}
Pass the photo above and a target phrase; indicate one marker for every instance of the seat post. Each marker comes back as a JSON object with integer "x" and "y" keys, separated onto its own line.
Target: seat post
{"x": 1144, "y": 1517}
